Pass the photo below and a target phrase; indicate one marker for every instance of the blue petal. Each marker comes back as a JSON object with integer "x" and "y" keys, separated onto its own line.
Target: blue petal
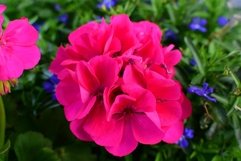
{"x": 188, "y": 133}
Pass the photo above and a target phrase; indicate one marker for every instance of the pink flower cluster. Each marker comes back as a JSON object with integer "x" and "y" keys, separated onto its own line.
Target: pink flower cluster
{"x": 18, "y": 50}
{"x": 117, "y": 86}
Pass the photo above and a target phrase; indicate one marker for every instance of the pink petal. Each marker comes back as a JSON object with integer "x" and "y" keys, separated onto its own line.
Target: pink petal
{"x": 173, "y": 133}
{"x": 113, "y": 45}
{"x": 21, "y": 33}
{"x": 123, "y": 30}
{"x": 106, "y": 70}
{"x": 169, "y": 112}
{"x": 145, "y": 100}
{"x": 86, "y": 77}
{"x": 121, "y": 24}
{"x": 78, "y": 109}
{"x": 186, "y": 107}
{"x": 2, "y": 8}
{"x": 29, "y": 56}
{"x": 121, "y": 103}
{"x": 67, "y": 91}
{"x": 76, "y": 128}
{"x": 144, "y": 130}
{"x": 68, "y": 94}
{"x": 74, "y": 36}
{"x": 103, "y": 132}
{"x": 55, "y": 66}
{"x": 148, "y": 29}
{"x": 90, "y": 39}
{"x": 162, "y": 88}
{"x": 10, "y": 66}
{"x": 71, "y": 111}
{"x": 133, "y": 76}
{"x": 154, "y": 117}
{"x": 127, "y": 143}
{"x": 172, "y": 57}
{"x": 110, "y": 93}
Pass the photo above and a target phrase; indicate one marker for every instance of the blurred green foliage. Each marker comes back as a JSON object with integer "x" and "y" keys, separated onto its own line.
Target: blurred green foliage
{"x": 36, "y": 126}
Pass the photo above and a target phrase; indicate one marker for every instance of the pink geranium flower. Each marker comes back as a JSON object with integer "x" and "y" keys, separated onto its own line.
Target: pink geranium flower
{"x": 18, "y": 50}
{"x": 117, "y": 86}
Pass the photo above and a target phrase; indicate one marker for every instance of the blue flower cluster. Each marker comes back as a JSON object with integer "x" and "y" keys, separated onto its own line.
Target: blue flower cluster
{"x": 205, "y": 91}
{"x": 107, "y": 4}
{"x": 188, "y": 134}
{"x": 198, "y": 24}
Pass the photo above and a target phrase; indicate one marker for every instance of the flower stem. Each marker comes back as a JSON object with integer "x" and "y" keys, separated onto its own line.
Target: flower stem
{"x": 2, "y": 122}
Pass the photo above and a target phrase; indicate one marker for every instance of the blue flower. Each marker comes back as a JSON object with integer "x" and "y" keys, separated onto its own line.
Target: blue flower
{"x": 107, "y": 4}
{"x": 63, "y": 18}
{"x": 170, "y": 35}
{"x": 193, "y": 62}
{"x": 50, "y": 84}
{"x": 198, "y": 24}
{"x": 205, "y": 91}
{"x": 189, "y": 133}
{"x": 38, "y": 25}
{"x": 183, "y": 141}
{"x": 222, "y": 21}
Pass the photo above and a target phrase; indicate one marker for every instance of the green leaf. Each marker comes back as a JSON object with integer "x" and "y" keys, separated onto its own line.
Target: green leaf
{"x": 33, "y": 146}
{"x": 171, "y": 13}
{"x": 195, "y": 55}
{"x": 197, "y": 79}
{"x": 217, "y": 158}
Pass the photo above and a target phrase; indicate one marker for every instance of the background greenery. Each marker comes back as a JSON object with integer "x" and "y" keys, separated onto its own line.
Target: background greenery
{"x": 37, "y": 129}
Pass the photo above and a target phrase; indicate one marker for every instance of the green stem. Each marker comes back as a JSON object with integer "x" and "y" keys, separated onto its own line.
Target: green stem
{"x": 2, "y": 122}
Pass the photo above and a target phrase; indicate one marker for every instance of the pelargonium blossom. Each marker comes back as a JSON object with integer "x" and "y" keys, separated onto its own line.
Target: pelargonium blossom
{"x": 18, "y": 49}
{"x": 116, "y": 85}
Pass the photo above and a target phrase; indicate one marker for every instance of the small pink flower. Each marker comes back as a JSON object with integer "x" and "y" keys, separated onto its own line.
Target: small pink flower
{"x": 18, "y": 49}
